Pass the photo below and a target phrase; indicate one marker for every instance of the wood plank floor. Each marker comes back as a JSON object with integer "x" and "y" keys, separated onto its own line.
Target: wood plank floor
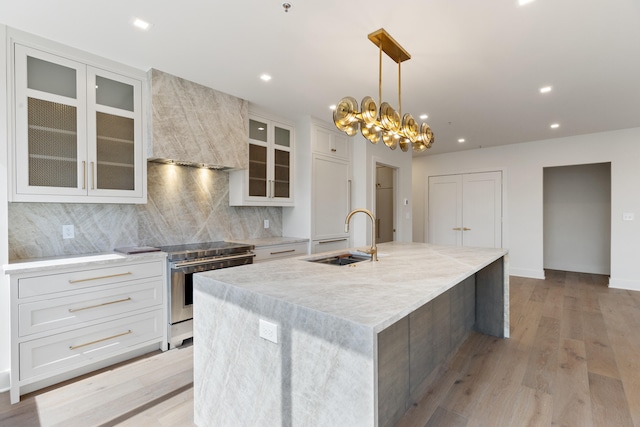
{"x": 573, "y": 359}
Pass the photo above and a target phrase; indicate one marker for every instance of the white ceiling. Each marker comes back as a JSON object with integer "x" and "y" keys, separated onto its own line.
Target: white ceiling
{"x": 476, "y": 66}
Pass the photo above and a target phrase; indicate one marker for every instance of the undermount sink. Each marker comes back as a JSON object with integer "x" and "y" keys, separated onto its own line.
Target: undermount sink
{"x": 346, "y": 258}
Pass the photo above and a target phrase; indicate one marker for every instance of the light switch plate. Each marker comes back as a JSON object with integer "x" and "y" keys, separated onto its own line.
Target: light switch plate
{"x": 266, "y": 223}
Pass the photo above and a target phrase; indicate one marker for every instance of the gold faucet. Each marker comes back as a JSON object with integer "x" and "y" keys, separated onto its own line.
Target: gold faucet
{"x": 374, "y": 249}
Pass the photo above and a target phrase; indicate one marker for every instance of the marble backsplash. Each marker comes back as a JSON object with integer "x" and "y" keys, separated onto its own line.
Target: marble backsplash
{"x": 185, "y": 205}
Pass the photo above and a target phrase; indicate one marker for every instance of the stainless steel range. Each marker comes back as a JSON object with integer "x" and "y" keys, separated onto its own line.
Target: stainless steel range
{"x": 183, "y": 262}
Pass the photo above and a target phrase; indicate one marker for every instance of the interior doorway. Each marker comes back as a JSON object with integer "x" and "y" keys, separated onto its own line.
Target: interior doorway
{"x": 577, "y": 218}
{"x": 385, "y": 203}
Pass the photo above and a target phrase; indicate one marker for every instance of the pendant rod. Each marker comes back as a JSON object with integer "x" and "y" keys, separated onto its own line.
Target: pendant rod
{"x": 380, "y": 77}
{"x": 399, "y": 91}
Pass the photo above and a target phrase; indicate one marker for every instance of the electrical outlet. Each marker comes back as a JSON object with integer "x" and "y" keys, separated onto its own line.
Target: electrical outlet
{"x": 628, "y": 216}
{"x": 269, "y": 331}
{"x": 266, "y": 223}
{"x": 68, "y": 232}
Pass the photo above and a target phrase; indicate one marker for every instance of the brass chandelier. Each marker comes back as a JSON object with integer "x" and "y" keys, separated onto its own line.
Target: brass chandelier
{"x": 386, "y": 123}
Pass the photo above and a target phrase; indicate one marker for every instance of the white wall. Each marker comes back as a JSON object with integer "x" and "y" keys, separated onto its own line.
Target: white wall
{"x": 523, "y": 198}
{"x": 577, "y": 218}
{"x": 365, "y": 157}
{"x": 5, "y": 332}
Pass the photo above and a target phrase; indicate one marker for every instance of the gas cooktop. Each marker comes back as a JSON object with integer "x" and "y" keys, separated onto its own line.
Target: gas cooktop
{"x": 206, "y": 249}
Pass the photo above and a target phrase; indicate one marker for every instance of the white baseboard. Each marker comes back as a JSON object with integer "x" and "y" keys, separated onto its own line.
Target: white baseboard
{"x": 526, "y": 272}
{"x": 632, "y": 285}
{"x": 5, "y": 380}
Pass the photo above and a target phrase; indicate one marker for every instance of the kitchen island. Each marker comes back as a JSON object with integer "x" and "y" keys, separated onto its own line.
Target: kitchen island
{"x": 356, "y": 345}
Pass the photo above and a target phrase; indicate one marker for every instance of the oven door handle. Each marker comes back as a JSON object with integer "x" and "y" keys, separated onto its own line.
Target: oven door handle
{"x": 184, "y": 264}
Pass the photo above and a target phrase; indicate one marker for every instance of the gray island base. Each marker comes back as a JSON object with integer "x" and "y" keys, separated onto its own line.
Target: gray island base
{"x": 356, "y": 345}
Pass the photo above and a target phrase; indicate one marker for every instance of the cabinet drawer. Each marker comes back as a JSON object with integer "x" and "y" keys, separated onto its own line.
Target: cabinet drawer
{"x": 319, "y": 246}
{"x": 71, "y": 281}
{"x": 72, "y": 349}
{"x": 280, "y": 251}
{"x": 49, "y": 314}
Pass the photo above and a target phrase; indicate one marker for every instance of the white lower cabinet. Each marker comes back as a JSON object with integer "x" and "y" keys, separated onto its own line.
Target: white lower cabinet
{"x": 287, "y": 250}
{"x": 49, "y": 314}
{"x": 67, "y": 350}
{"x": 327, "y": 245}
{"x": 71, "y": 321}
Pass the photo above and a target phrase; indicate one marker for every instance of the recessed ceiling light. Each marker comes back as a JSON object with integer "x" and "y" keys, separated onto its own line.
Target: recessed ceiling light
{"x": 423, "y": 117}
{"x": 265, "y": 77}
{"x": 545, "y": 89}
{"x": 461, "y": 140}
{"x": 332, "y": 107}
{"x": 523, "y": 2}
{"x": 555, "y": 126}
{"x": 260, "y": 128}
{"x": 143, "y": 25}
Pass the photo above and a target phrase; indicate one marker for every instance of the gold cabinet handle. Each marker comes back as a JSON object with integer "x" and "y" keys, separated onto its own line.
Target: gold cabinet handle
{"x": 93, "y": 176}
{"x": 466, "y": 229}
{"x": 100, "y": 277}
{"x": 74, "y": 347}
{"x": 457, "y": 229}
{"x": 282, "y": 252}
{"x": 84, "y": 174}
{"x": 73, "y": 310}
{"x": 331, "y": 241}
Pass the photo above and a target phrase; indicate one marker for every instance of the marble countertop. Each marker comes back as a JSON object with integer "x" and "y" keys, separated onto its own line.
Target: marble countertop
{"x": 271, "y": 241}
{"x": 375, "y": 294}
{"x": 77, "y": 261}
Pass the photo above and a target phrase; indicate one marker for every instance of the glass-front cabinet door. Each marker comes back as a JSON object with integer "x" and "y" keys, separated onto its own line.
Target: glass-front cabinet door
{"x": 114, "y": 125}
{"x": 50, "y": 136}
{"x": 267, "y": 182}
{"x": 78, "y": 131}
{"x": 281, "y": 162}
{"x": 258, "y": 142}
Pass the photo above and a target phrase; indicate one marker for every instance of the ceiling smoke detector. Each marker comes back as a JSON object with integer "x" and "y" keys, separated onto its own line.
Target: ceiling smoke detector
{"x": 286, "y": 6}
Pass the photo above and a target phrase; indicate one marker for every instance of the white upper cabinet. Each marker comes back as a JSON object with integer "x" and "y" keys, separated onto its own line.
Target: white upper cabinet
{"x": 78, "y": 132}
{"x": 268, "y": 179}
{"x": 330, "y": 143}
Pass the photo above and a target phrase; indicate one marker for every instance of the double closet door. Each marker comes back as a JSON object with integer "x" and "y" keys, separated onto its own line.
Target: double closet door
{"x": 466, "y": 210}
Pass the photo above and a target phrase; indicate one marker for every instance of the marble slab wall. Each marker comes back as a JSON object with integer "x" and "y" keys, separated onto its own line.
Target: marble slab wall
{"x": 185, "y": 205}
{"x": 196, "y": 124}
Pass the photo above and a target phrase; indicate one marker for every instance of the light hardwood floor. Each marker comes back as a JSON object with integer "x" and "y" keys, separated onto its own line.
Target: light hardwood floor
{"x": 573, "y": 359}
